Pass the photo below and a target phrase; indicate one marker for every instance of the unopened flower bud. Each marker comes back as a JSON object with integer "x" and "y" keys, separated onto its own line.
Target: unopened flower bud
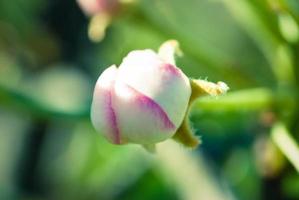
{"x": 142, "y": 101}
{"x": 101, "y": 13}
{"x": 146, "y": 99}
{"x": 93, "y": 7}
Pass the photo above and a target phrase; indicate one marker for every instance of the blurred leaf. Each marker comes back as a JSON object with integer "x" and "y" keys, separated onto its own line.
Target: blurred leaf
{"x": 60, "y": 92}
{"x": 286, "y": 143}
{"x": 196, "y": 181}
{"x": 260, "y": 24}
{"x": 13, "y": 134}
{"x": 293, "y": 6}
{"x": 243, "y": 178}
{"x": 290, "y": 186}
{"x": 87, "y": 166}
{"x": 198, "y": 32}
{"x": 9, "y": 68}
{"x": 61, "y": 88}
{"x": 22, "y": 15}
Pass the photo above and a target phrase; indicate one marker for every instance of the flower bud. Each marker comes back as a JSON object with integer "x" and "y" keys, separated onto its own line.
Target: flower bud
{"x": 93, "y": 7}
{"x": 143, "y": 101}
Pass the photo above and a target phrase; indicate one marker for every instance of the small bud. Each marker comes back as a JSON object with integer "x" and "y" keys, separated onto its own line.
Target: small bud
{"x": 101, "y": 13}
{"x": 143, "y": 101}
{"x": 146, "y": 99}
{"x": 93, "y": 7}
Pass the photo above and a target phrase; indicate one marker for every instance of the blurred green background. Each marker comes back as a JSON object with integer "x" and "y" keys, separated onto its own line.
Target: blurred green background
{"x": 48, "y": 68}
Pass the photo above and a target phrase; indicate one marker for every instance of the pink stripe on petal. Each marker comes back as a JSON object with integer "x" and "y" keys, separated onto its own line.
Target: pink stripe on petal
{"x": 111, "y": 119}
{"x": 103, "y": 110}
{"x": 171, "y": 69}
{"x": 150, "y": 105}
{"x": 146, "y": 102}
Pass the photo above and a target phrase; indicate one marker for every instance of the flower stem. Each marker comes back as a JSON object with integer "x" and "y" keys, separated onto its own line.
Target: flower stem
{"x": 286, "y": 143}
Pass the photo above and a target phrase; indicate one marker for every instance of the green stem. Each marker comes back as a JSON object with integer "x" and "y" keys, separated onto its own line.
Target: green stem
{"x": 286, "y": 143}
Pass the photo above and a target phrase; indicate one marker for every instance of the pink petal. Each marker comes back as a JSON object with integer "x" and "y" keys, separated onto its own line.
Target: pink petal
{"x": 141, "y": 119}
{"x": 102, "y": 112}
{"x": 163, "y": 82}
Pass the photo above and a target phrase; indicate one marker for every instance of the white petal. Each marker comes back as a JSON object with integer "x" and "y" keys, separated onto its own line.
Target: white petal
{"x": 166, "y": 84}
{"x": 140, "y": 119}
{"x": 102, "y": 113}
{"x": 89, "y": 7}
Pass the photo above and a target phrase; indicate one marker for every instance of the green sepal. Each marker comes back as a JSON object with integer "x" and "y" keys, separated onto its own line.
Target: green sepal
{"x": 185, "y": 134}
